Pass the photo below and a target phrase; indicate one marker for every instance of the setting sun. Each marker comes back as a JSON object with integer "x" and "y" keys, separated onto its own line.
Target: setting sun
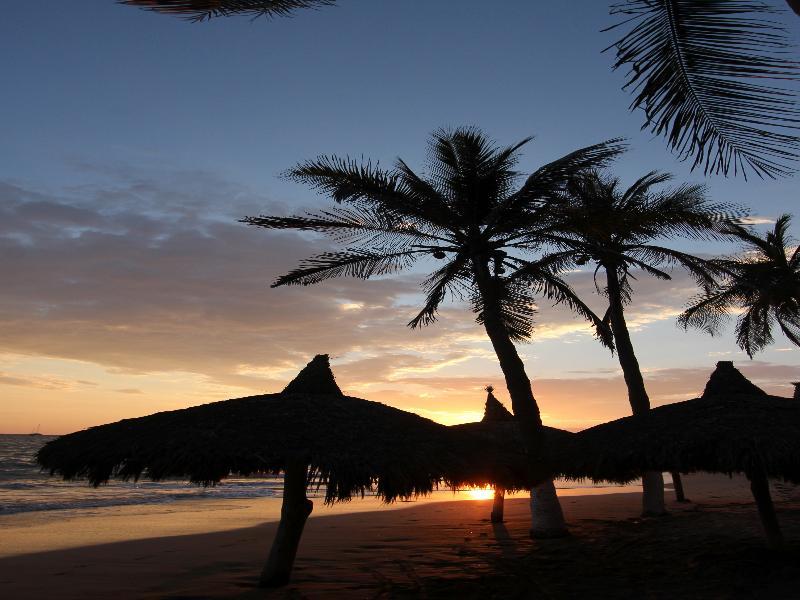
{"x": 480, "y": 493}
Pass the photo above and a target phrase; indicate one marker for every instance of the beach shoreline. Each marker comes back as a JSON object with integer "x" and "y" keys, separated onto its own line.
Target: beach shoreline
{"x": 444, "y": 548}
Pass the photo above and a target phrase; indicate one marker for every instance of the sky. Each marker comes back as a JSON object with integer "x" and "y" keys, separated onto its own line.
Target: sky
{"x": 132, "y": 143}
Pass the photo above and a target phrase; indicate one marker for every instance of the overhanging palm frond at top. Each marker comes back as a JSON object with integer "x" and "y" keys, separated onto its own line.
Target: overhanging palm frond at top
{"x": 706, "y": 73}
{"x": 201, "y": 10}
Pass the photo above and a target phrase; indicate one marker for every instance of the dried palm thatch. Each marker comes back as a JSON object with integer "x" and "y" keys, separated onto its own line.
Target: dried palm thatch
{"x": 494, "y": 410}
{"x": 495, "y": 449}
{"x": 311, "y": 432}
{"x": 350, "y": 445}
{"x": 734, "y": 427}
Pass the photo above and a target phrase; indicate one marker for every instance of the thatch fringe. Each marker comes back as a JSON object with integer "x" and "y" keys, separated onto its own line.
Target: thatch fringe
{"x": 734, "y": 428}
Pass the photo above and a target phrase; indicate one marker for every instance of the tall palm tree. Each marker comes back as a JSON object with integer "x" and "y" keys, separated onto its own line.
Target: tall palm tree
{"x": 201, "y": 10}
{"x": 764, "y": 282}
{"x": 618, "y": 230}
{"x": 467, "y": 211}
{"x": 706, "y": 74}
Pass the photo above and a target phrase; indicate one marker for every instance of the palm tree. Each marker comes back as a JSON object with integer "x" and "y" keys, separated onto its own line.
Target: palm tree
{"x": 701, "y": 72}
{"x": 201, "y": 10}
{"x": 466, "y": 212}
{"x": 764, "y": 282}
{"x": 617, "y": 229}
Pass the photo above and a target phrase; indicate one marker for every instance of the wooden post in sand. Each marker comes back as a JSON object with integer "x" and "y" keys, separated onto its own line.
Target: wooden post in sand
{"x": 294, "y": 513}
{"x": 759, "y": 485}
{"x": 497, "y": 505}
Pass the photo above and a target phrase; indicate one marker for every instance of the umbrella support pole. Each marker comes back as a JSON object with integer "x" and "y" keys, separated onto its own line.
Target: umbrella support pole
{"x": 498, "y": 505}
{"x": 759, "y": 485}
{"x": 677, "y": 484}
{"x": 294, "y": 512}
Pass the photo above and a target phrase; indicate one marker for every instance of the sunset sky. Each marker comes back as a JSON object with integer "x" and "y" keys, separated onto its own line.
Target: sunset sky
{"x": 132, "y": 142}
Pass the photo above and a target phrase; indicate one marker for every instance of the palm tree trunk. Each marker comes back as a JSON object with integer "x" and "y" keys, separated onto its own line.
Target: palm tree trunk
{"x": 498, "y": 505}
{"x": 652, "y": 481}
{"x": 677, "y": 484}
{"x": 547, "y": 518}
{"x": 759, "y": 485}
{"x": 294, "y": 512}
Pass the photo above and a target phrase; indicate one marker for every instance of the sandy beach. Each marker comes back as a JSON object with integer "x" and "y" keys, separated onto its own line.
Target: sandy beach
{"x": 711, "y": 548}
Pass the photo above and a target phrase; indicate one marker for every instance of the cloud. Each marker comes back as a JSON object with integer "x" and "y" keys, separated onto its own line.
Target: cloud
{"x": 153, "y": 276}
{"x": 150, "y": 273}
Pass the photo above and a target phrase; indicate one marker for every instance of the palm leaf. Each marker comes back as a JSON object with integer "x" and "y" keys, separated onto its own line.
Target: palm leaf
{"x": 437, "y": 285}
{"x": 201, "y": 10}
{"x": 358, "y": 263}
{"x": 692, "y": 66}
{"x": 362, "y": 225}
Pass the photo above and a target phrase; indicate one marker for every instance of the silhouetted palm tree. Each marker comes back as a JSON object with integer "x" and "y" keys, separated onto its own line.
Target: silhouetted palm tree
{"x": 464, "y": 211}
{"x": 764, "y": 282}
{"x": 200, "y": 10}
{"x": 701, "y": 72}
{"x": 617, "y": 230}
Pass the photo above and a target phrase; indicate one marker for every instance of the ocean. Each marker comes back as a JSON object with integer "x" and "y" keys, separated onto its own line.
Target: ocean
{"x": 24, "y": 488}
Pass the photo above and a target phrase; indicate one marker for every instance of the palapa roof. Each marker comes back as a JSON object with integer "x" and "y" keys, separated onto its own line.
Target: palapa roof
{"x": 352, "y": 445}
{"x": 494, "y": 410}
{"x": 734, "y": 427}
{"x": 495, "y": 448}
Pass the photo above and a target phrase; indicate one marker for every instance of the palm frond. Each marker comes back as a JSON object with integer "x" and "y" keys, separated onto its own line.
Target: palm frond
{"x": 359, "y": 224}
{"x": 358, "y": 263}
{"x": 437, "y": 286}
{"x": 551, "y": 178}
{"x": 692, "y": 67}
{"x": 546, "y": 183}
{"x": 201, "y": 10}
{"x": 708, "y": 311}
{"x": 702, "y": 271}
{"x": 790, "y": 326}
{"x": 543, "y": 280}
{"x": 753, "y": 331}
{"x": 516, "y": 306}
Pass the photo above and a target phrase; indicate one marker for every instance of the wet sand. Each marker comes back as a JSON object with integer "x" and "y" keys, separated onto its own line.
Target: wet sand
{"x": 711, "y": 548}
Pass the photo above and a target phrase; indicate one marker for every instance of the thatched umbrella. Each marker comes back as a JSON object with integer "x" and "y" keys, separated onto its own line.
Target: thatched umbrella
{"x": 311, "y": 432}
{"x": 499, "y": 456}
{"x": 734, "y": 427}
{"x": 494, "y": 412}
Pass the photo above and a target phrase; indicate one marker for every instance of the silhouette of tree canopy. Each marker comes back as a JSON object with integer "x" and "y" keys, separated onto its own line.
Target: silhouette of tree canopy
{"x": 764, "y": 281}
{"x": 463, "y": 211}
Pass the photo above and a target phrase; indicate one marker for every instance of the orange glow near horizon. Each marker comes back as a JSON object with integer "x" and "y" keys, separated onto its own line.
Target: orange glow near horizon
{"x": 57, "y": 395}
